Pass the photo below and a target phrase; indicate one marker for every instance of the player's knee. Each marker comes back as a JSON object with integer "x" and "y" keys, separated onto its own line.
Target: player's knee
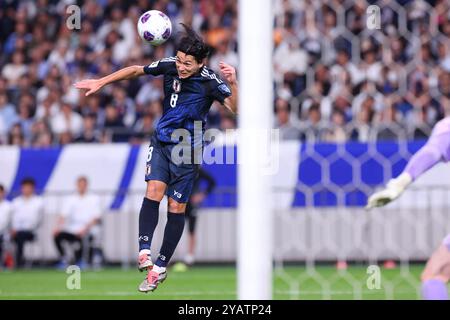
{"x": 176, "y": 207}
{"x": 154, "y": 192}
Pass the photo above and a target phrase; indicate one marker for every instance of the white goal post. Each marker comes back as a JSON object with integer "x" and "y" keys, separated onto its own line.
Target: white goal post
{"x": 254, "y": 259}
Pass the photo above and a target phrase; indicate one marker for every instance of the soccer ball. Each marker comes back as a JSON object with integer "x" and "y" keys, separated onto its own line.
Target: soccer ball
{"x": 154, "y": 27}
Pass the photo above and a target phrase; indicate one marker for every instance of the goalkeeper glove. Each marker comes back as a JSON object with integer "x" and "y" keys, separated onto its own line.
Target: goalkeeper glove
{"x": 393, "y": 190}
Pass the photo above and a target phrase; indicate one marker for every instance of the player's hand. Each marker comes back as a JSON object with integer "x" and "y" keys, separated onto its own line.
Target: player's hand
{"x": 92, "y": 85}
{"x": 393, "y": 190}
{"x": 228, "y": 72}
{"x": 381, "y": 198}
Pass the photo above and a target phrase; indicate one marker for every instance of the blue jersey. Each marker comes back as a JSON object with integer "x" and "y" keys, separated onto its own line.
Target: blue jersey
{"x": 186, "y": 101}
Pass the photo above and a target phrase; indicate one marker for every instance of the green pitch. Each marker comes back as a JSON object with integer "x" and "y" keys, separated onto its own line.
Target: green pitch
{"x": 322, "y": 282}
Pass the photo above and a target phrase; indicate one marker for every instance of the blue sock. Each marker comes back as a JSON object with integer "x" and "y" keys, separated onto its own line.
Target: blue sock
{"x": 172, "y": 235}
{"x": 148, "y": 220}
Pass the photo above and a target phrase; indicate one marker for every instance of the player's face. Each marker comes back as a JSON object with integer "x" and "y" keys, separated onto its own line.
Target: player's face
{"x": 186, "y": 65}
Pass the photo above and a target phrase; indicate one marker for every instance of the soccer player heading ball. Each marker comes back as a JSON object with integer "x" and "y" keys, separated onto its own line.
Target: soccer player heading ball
{"x": 190, "y": 88}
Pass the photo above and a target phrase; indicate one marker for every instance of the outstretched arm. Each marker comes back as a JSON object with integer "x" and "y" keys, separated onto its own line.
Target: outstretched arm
{"x": 229, "y": 74}
{"x": 94, "y": 85}
{"x": 427, "y": 157}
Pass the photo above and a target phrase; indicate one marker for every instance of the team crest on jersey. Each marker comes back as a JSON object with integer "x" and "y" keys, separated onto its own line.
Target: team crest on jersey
{"x": 223, "y": 88}
{"x": 176, "y": 85}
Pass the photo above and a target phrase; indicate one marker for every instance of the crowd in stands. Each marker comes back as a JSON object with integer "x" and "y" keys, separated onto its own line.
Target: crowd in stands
{"x": 339, "y": 80}
{"x": 334, "y": 78}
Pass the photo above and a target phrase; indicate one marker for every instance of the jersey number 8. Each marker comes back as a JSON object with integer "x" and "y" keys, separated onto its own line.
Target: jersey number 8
{"x": 173, "y": 100}
{"x": 149, "y": 155}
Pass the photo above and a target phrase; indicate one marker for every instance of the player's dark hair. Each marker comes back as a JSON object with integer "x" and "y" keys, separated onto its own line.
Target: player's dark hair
{"x": 29, "y": 181}
{"x": 2, "y": 188}
{"x": 192, "y": 44}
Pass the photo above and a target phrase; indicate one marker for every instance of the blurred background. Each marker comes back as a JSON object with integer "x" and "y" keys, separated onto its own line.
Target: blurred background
{"x": 351, "y": 105}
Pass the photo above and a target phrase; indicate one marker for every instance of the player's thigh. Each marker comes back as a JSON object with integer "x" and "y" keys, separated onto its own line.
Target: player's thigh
{"x": 438, "y": 266}
{"x": 157, "y": 173}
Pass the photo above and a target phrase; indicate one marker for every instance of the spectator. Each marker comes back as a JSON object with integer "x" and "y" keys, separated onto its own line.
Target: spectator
{"x": 27, "y": 211}
{"x": 90, "y": 133}
{"x": 119, "y": 33}
{"x": 67, "y": 120}
{"x": 343, "y": 64}
{"x": 3, "y": 131}
{"x": 223, "y": 53}
{"x": 114, "y": 124}
{"x": 389, "y": 127}
{"x": 15, "y": 69}
{"x": 25, "y": 120}
{"x": 290, "y": 65}
{"x": 80, "y": 213}
{"x": 149, "y": 92}
{"x": 125, "y": 106}
{"x": 41, "y": 134}
{"x": 312, "y": 127}
{"x": 16, "y": 136}
{"x": 336, "y": 132}
{"x": 421, "y": 129}
{"x": 5, "y": 220}
{"x": 8, "y": 113}
{"x": 47, "y": 110}
{"x": 370, "y": 65}
{"x": 362, "y": 127}
{"x": 283, "y": 122}
{"x": 144, "y": 126}
{"x": 59, "y": 55}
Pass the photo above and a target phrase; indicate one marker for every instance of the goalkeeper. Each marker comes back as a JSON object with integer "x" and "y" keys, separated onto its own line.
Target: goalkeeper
{"x": 437, "y": 270}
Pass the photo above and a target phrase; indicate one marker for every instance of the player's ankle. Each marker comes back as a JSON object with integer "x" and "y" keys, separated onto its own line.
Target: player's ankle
{"x": 159, "y": 269}
{"x": 145, "y": 251}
